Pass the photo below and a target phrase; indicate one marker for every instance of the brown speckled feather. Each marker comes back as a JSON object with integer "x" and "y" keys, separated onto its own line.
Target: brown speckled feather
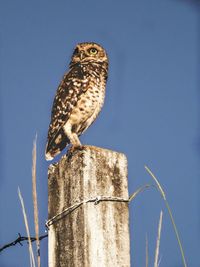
{"x": 66, "y": 98}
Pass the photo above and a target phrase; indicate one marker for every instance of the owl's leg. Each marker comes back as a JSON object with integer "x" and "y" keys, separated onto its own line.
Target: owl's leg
{"x": 73, "y": 137}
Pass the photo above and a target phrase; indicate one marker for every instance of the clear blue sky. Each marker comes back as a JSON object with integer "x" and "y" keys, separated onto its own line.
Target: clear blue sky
{"x": 151, "y": 111}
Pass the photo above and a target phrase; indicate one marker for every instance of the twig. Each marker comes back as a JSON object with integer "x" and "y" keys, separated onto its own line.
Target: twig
{"x": 21, "y": 239}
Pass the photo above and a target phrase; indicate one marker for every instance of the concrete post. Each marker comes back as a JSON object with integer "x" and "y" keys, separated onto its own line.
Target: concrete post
{"x": 82, "y": 232}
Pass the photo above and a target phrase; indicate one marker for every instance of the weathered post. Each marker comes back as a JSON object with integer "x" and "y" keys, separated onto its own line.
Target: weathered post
{"x": 88, "y": 210}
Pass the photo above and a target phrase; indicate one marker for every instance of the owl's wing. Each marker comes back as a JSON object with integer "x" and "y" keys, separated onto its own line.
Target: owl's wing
{"x": 73, "y": 85}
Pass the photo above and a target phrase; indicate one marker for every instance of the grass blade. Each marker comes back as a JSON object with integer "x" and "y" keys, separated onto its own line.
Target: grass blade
{"x": 35, "y": 203}
{"x": 139, "y": 190}
{"x": 147, "y": 252}
{"x": 156, "y": 263}
{"x": 32, "y": 260}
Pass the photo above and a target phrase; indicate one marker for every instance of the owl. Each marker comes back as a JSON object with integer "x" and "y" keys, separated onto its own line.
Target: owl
{"x": 79, "y": 98}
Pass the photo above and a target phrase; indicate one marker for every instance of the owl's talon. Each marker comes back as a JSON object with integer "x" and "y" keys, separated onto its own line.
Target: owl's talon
{"x": 73, "y": 149}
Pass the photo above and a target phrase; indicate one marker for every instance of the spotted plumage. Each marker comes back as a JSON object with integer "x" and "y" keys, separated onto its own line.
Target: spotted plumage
{"x": 79, "y": 97}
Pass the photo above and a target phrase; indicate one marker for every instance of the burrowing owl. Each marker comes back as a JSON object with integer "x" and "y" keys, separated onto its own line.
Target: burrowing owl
{"x": 79, "y": 97}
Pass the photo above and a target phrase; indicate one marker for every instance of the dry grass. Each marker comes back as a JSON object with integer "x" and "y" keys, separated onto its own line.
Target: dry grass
{"x": 32, "y": 260}
{"x": 35, "y": 207}
{"x": 147, "y": 252}
{"x": 163, "y": 194}
{"x": 156, "y": 262}
{"x": 35, "y": 203}
{"x": 138, "y": 191}
{"x": 160, "y": 189}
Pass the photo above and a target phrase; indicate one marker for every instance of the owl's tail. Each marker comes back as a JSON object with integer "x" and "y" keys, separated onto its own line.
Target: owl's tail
{"x": 56, "y": 144}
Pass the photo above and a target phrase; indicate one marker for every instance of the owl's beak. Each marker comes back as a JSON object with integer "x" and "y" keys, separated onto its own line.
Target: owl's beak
{"x": 82, "y": 55}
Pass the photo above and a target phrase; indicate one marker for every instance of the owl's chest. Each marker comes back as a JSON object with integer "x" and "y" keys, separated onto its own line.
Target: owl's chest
{"x": 90, "y": 102}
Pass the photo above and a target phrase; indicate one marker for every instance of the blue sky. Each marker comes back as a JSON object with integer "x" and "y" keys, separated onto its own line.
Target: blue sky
{"x": 151, "y": 112}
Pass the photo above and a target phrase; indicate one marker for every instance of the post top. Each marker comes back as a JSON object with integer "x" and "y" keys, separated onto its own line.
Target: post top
{"x": 92, "y": 150}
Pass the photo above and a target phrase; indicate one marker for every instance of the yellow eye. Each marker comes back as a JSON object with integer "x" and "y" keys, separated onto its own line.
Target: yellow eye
{"x": 93, "y": 51}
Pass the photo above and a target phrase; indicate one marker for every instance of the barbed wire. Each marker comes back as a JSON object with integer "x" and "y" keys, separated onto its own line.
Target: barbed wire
{"x": 70, "y": 209}
{"x": 21, "y": 239}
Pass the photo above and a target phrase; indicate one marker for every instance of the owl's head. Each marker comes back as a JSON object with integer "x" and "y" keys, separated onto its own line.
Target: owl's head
{"x": 89, "y": 52}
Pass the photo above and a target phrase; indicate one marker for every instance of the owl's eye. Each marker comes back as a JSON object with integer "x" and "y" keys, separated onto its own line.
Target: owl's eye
{"x": 93, "y": 51}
